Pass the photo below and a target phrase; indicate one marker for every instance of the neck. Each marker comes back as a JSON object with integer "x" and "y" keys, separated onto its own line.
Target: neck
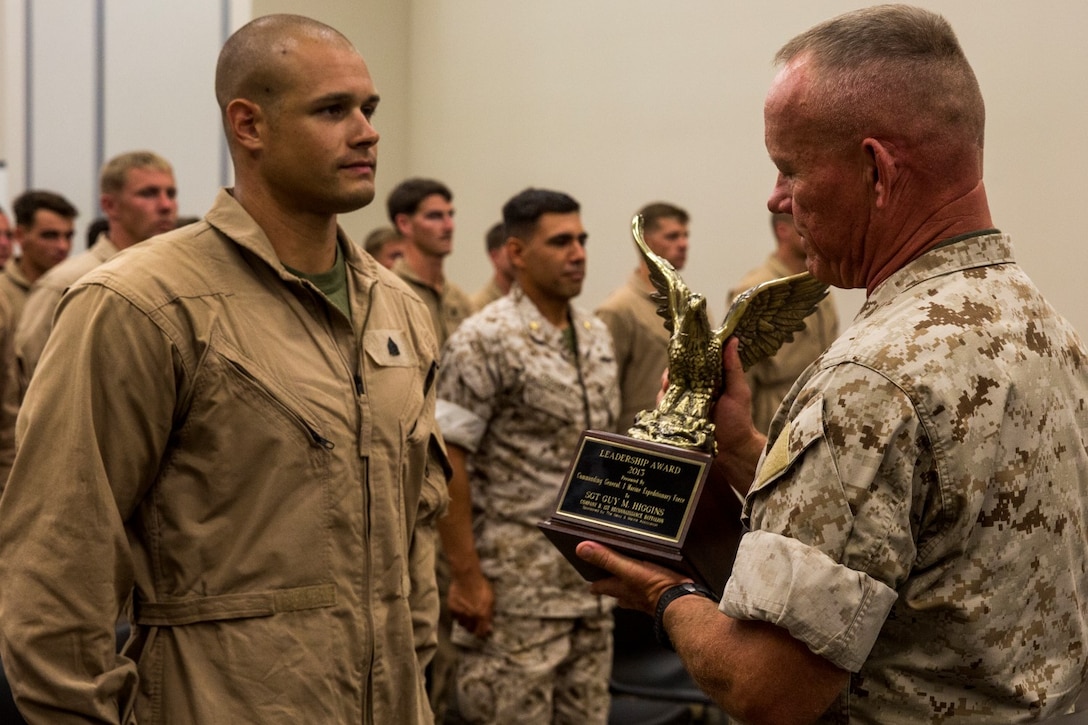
{"x": 428, "y": 268}
{"x": 29, "y": 271}
{"x": 119, "y": 239}
{"x": 552, "y": 309}
{"x": 301, "y": 240}
{"x": 967, "y": 213}
{"x": 502, "y": 281}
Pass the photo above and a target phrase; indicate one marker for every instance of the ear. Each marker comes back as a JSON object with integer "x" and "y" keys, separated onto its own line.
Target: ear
{"x": 244, "y": 121}
{"x": 882, "y": 169}
{"x": 108, "y": 203}
{"x": 403, "y": 223}
{"x": 515, "y": 250}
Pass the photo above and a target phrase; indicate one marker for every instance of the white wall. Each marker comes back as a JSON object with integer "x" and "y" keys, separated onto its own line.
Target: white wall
{"x": 618, "y": 102}
{"x": 106, "y": 77}
{"x": 621, "y": 102}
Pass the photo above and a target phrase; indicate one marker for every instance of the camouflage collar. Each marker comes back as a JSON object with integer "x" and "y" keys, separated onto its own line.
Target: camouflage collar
{"x": 958, "y": 254}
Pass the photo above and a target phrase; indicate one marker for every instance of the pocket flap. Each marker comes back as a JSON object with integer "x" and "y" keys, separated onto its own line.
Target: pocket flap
{"x": 389, "y": 348}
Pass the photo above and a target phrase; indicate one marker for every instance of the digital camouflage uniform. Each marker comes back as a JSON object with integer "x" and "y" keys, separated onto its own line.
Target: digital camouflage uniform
{"x": 512, "y": 393}
{"x": 919, "y": 517}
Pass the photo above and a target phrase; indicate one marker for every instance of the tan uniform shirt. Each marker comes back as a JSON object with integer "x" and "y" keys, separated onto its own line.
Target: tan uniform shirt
{"x": 448, "y": 308}
{"x": 37, "y": 318}
{"x": 921, "y": 515}
{"x": 642, "y": 347}
{"x": 262, "y": 473}
{"x": 770, "y": 379}
{"x": 9, "y": 381}
{"x": 15, "y": 286}
{"x": 486, "y": 295}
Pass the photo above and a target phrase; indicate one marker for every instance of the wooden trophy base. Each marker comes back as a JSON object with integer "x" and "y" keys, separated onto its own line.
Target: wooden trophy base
{"x": 648, "y": 501}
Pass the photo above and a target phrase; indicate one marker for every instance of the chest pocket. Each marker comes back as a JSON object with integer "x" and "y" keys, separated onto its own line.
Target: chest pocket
{"x": 552, "y": 400}
{"x": 254, "y": 386}
{"x": 389, "y": 349}
{"x": 393, "y": 382}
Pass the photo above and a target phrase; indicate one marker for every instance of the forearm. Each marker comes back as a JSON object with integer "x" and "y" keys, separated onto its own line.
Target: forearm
{"x": 424, "y": 597}
{"x": 62, "y": 594}
{"x": 455, "y": 528}
{"x": 755, "y": 671}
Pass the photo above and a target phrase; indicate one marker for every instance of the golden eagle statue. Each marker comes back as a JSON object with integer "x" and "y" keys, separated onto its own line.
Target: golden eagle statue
{"x": 762, "y": 318}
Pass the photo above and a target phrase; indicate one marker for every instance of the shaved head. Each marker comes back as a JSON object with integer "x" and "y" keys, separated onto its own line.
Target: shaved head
{"x": 255, "y": 62}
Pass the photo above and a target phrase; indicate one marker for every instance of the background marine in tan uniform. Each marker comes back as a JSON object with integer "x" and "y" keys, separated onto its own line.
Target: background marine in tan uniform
{"x": 770, "y": 379}
{"x": 638, "y": 332}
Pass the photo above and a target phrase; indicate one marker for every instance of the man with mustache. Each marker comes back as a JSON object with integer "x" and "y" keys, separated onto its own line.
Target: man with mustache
{"x": 520, "y": 381}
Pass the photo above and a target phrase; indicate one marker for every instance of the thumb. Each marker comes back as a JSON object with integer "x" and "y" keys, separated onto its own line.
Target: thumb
{"x": 600, "y": 555}
{"x": 734, "y": 370}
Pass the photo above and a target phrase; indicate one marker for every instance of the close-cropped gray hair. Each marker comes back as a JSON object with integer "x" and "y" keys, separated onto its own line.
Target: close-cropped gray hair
{"x": 890, "y": 66}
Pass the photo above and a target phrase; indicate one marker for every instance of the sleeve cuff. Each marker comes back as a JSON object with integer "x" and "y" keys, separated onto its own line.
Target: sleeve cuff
{"x": 459, "y": 426}
{"x": 836, "y": 611}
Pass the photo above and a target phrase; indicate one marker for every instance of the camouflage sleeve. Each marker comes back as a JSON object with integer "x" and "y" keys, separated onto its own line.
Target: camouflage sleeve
{"x": 833, "y": 510}
{"x": 468, "y": 387}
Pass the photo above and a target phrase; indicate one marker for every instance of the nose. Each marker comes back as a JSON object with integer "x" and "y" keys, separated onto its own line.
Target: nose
{"x": 780, "y": 201}
{"x": 578, "y": 252}
{"x": 167, "y": 201}
{"x": 365, "y": 134}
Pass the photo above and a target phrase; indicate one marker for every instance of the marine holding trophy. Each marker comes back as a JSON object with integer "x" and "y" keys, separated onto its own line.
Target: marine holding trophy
{"x": 918, "y": 513}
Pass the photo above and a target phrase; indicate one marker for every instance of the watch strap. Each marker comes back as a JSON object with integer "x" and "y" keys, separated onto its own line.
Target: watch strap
{"x": 667, "y": 597}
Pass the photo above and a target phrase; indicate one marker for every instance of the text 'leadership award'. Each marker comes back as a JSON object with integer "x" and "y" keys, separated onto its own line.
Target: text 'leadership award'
{"x": 646, "y": 494}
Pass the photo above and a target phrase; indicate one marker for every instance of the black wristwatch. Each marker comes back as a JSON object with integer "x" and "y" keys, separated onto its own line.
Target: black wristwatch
{"x": 666, "y": 599}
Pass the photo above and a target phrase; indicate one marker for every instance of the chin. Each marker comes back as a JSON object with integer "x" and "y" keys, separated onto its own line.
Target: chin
{"x": 352, "y": 202}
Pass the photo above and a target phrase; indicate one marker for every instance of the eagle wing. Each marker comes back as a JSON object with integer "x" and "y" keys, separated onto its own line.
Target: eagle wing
{"x": 765, "y": 317}
{"x": 672, "y": 294}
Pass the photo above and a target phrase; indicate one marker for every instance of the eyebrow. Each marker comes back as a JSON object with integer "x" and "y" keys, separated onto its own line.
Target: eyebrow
{"x": 565, "y": 237}
{"x": 343, "y": 97}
